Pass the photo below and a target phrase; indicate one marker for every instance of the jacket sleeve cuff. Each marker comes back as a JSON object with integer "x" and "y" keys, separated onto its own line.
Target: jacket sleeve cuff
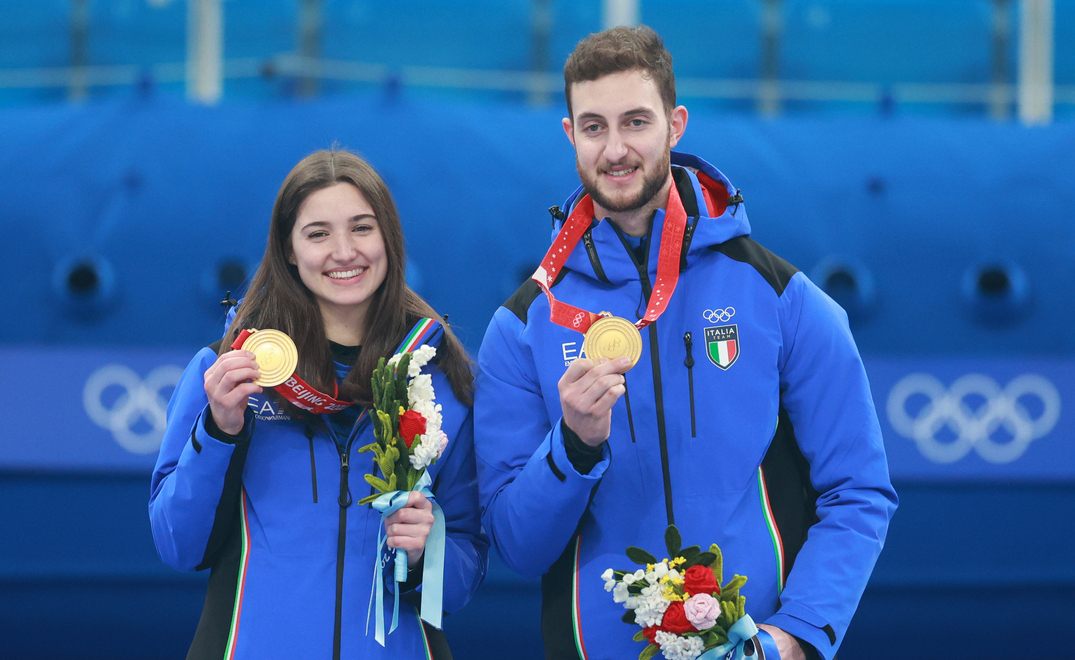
{"x": 213, "y": 431}
{"x": 562, "y": 463}
{"x": 822, "y": 639}
{"x": 583, "y": 457}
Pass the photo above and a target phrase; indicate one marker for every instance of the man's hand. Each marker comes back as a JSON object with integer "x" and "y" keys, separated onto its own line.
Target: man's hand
{"x": 587, "y": 393}
{"x": 409, "y": 527}
{"x": 228, "y": 385}
{"x": 786, "y": 644}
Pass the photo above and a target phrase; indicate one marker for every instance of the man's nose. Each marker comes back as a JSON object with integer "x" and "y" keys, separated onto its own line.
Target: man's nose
{"x": 616, "y": 147}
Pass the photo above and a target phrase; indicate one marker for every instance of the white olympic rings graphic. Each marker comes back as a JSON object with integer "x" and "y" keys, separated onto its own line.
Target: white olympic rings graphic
{"x": 973, "y": 427}
{"x": 140, "y": 405}
{"x": 577, "y": 321}
{"x": 714, "y": 315}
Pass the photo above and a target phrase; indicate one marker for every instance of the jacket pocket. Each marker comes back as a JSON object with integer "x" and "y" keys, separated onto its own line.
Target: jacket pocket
{"x": 689, "y": 363}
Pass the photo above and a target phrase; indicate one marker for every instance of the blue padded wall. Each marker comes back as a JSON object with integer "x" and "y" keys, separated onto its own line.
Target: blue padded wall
{"x": 910, "y": 222}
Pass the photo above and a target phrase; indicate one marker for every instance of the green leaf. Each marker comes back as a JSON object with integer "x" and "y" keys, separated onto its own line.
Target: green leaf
{"x": 628, "y": 617}
{"x": 640, "y": 636}
{"x": 649, "y": 652}
{"x": 717, "y": 564}
{"x": 369, "y": 498}
{"x": 700, "y": 559}
{"x": 689, "y": 552}
{"x": 378, "y": 483}
{"x": 673, "y": 541}
{"x": 730, "y": 591}
{"x": 640, "y": 556}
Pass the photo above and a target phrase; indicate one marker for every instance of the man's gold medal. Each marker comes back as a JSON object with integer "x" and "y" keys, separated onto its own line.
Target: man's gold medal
{"x": 275, "y": 354}
{"x": 611, "y": 337}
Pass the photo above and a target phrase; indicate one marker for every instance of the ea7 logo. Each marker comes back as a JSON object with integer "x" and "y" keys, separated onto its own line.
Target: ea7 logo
{"x": 722, "y": 345}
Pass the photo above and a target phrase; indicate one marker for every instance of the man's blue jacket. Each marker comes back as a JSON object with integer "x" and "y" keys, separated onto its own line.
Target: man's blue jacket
{"x": 748, "y": 422}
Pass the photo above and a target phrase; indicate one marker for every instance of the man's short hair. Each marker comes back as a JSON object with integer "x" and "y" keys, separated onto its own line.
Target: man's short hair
{"x": 622, "y": 49}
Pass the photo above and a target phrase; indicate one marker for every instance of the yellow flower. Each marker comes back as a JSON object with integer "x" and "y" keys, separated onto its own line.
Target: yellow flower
{"x": 671, "y": 595}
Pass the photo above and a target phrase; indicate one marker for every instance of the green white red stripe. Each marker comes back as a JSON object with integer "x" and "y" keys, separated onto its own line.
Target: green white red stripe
{"x": 576, "y": 620}
{"x": 244, "y": 560}
{"x": 420, "y": 334}
{"x": 425, "y": 640}
{"x": 774, "y": 532}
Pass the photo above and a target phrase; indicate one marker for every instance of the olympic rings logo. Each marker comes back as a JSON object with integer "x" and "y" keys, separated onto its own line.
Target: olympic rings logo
{"x": 974, "y": 427}
{"x": 138, "y": 416}
{"x": 577, "y": 321}
{"x": 714, "y": 315}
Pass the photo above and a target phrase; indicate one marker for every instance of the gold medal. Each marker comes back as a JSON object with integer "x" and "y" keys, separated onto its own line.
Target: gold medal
{"x": 611, "y": 337}
{"x": 275, "y": 354}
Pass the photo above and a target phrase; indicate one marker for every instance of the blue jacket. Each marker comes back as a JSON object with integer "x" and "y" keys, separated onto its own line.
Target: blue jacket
{"x": 748, "y": 421}
{"x": 265, "y": 514}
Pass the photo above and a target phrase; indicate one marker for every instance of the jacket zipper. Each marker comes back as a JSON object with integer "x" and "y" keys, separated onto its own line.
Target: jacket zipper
{"x": 689, "y": 363}
{"x": 658, "y": 391}
{"x": 344, "y": 501}
{"x": 313, "y": 462}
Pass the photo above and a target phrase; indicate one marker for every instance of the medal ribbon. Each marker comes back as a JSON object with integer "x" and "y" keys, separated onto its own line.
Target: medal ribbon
{"x": 301, "y": 394}
{"x": 569, "y": 316}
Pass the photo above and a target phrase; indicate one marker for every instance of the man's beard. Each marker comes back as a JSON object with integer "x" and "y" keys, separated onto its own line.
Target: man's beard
{"x": 652, "y": 183}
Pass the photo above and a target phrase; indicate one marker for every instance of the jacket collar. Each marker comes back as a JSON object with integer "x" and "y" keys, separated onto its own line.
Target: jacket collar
{"x": 714, "y": 217}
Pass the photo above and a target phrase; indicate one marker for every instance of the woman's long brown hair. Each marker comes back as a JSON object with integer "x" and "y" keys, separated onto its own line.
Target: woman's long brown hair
{"x": 278, "y": 299}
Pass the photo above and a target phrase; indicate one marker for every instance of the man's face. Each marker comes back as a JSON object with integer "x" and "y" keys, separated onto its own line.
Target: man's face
{"x": 622, "y": 137}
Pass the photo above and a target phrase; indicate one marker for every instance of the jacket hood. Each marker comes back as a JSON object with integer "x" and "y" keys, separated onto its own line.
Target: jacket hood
{"x": 715, "y": 214}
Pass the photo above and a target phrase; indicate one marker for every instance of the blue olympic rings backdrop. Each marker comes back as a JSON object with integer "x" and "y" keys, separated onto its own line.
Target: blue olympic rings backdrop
{"x": 86, "y": 409}
{"x": 942, "y": 418}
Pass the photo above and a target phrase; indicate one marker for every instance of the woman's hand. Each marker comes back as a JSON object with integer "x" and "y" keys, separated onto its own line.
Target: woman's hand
{"x": 409, "y": 527}
{"x": 228, "y": 384}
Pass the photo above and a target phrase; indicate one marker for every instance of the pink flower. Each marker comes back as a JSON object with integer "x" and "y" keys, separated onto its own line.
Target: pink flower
{"x": 702, "y": 611}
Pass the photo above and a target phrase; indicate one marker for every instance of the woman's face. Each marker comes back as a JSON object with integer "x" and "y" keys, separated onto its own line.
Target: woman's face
{"x": 337, "y": 246}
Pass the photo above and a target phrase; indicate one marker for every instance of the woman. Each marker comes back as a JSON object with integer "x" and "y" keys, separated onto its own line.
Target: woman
{"x": 261, "y": 492}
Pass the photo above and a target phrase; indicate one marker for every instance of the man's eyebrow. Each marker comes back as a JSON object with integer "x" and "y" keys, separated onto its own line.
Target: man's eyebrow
{"x": 589, "y": 115}
{"x": 641, "y": 110}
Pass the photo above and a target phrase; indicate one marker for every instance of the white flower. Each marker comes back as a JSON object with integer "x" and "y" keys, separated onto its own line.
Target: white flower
{"x": 675, "y": 647}
{"x": 661, "y": 570}
{"x": 608, "y": 575}
{"x": 650, "y": 606}
{"x": 420, "y": 389}
{"x": 426, "y": 450}
{"x": 619, "y": 593}
{"x": 639, "y": 574}
{"x": 629, "y": 578}
{"x": 420, "y": 357}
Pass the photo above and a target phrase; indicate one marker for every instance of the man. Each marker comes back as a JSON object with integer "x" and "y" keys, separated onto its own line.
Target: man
{"x": 746, "y": 422}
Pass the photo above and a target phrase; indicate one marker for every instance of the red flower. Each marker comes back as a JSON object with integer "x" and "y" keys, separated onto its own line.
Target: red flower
{"x": 411, "y": 425}
{"x": 651, "y": 633}
{"x": 675, "y": 620}
{"x": 700, "y": 580}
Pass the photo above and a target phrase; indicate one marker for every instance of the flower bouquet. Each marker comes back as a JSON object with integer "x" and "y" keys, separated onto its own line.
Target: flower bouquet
{"x": 679, "y": 602}
{"x": 406, "y": 422}
{"x": 407, "y": 440}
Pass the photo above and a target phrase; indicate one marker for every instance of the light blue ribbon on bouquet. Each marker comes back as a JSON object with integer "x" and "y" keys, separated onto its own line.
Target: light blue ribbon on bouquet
{"x": 741, "y": 631}
{"x": 432, "y": 569}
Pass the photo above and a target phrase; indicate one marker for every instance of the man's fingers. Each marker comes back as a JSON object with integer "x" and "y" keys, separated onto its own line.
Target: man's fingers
{"x": 576, "y": 370}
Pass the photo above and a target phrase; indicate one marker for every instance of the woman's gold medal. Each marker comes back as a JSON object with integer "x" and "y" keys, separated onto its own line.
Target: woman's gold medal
{"x": 275, "y": 354}
{"x": 611, "y": 337}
